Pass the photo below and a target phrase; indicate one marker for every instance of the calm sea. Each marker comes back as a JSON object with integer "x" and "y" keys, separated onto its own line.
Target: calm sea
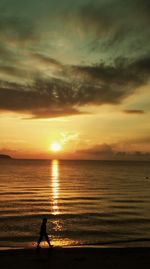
{"x": 101, "y": 203}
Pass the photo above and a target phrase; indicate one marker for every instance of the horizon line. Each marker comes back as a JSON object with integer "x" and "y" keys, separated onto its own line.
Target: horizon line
{"x": 52, "y": 159}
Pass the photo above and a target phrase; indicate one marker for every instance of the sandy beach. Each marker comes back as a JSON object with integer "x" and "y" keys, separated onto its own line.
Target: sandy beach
{"x": 76, "y": 258}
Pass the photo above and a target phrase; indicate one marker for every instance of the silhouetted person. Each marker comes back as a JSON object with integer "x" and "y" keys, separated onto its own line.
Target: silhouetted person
{"x": 43, "y": 233}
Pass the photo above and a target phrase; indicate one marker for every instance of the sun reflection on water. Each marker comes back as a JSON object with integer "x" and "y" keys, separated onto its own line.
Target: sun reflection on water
{"x": 55, "y": 186}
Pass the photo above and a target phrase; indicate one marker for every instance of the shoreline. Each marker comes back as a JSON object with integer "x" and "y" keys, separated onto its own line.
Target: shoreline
{"x": 75, "y": 258}
{"x": 130, "y": 243}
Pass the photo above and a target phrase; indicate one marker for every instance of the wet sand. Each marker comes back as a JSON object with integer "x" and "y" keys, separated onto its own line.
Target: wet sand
{"x": 76, "y": 258}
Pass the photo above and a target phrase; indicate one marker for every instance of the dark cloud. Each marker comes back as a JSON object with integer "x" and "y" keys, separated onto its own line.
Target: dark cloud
{"x": 78, "y": 86}
{"x": 12, "y": 71}
{"x": 36, "y": 101}
{"x": 98, "y": 150}
{"x": 122, "y": 71}
{"x": 46, "y": 60}
{"x": 134, "y": 111}
{"x": 64, "y": 89}
{"x": 103, "y": 84}
{"x": 109, "y": 152}
{"x": 140, "y": 140}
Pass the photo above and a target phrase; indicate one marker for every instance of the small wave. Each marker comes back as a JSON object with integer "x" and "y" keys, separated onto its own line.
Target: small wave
{"x": 128, "y": 201}
{"x": 81, "y": 198}
{"x": 99, "y": 218}
{"x": 115, "y": 242}
{"x": 62, "y": 216}
{"x": 131, "y": 207}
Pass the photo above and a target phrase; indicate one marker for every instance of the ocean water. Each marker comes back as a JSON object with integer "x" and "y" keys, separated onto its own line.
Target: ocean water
{"x": 92, "y": 203}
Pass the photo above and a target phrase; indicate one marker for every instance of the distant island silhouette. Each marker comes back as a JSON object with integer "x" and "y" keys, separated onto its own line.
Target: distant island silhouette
{"x": 3, "y": 156}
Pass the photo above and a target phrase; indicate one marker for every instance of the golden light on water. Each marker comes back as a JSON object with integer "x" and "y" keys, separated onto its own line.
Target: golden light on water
{"x": 55, "y": 186}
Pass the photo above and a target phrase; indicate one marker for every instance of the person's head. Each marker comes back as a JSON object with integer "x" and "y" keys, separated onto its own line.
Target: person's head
{"x": 44, "y": 220}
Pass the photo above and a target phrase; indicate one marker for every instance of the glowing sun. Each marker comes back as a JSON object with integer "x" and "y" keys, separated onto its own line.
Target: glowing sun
{"x": 55, "y": 147}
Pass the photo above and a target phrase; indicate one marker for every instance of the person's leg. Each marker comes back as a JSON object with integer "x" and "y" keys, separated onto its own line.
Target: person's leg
{"x": 39, "y": 241}
{"x": 47, "y": 240}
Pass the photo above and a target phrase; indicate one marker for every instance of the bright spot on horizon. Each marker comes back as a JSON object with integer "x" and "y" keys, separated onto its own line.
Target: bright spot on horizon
{"x": 55, "y": 147}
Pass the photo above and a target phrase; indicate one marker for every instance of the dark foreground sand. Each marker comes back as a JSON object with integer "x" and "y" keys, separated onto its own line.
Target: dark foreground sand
{"x": 76, "y": 258}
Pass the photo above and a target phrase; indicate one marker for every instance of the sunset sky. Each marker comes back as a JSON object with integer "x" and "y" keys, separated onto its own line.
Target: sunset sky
{"x": 76, "y": 73}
